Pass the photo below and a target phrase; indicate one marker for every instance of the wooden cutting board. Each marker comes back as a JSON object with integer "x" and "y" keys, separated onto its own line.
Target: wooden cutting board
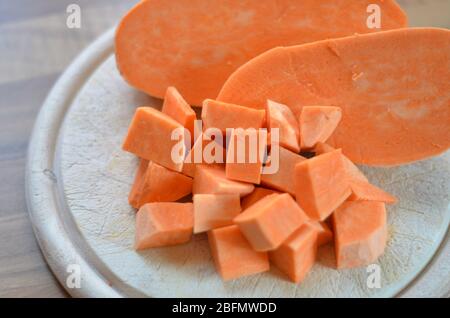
{"x": 78, "y": 179}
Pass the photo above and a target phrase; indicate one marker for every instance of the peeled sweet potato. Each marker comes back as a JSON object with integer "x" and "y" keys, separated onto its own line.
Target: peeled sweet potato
{"x": 360, "y": 233}
{"x": 233, "y": 255}
{"x": 393, "y": 88}
{"x": 195, "y": 45}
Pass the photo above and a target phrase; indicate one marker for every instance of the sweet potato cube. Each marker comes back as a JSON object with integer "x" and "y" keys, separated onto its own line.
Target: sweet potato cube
{"x": 321, "y": 147}
{"x": 360, "y": 233}
{"x": 221, "y": 115}
{"x": 205, "y": 151}
{"x": 233, "y": 255}
{"x": 255, "y": 196}
{"x": 364, "y": 191}
{"x": 215, "y": 210}
{"x": 176, "y": 107}
{"x": 352, "y": 170}
{"x": 163, "y": 185}
{"x": 136, "y": 189}
{"x": 270, "y": 221}
{"x": 163, "y": 223}
{"x": 149, "y": 137}
{"x": 324, "y": 233}
{"x": 321, "y": 184}
{"x": 296, "y": 256}
{"x": 212, "y": 180}
{"x": 245, "y": 155}
{"x": 284, "y": 178}
{"x": 281, "y": 116}
{"x": 317, "y": 124}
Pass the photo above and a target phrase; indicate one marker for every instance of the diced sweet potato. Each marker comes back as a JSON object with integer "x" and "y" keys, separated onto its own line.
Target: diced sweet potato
{"x": 163, "y": 224}
{"x": 284, "y": 178}
{"x": 317, "y": 124}
{"x": 321, "y": 184}
{"x": 322, "y": 147}
{"x": 364, "y": 191}
{"x": 233, "y": 255}
{"x": 270, "y": 221}
{"x": 163, "y": 185}
{"x": 352, "y": 170}
{"x": 296, "y": 256}
{"x": 215, "y": 210}
{"x": 176, "y": 107}
{"x": 245, "y": 155}
{"x": 360, "y": 233}
{"x": 324, "y": 233}
{"x": 255, "y": 196}
{"x": 202, "y": 151}
{"x": 280, "y": 116}
{"x": 149, "y": 137}
{"x": 136, "y": 189}
{"x": 212, "y": 180}
{"x": 223, "y": 116}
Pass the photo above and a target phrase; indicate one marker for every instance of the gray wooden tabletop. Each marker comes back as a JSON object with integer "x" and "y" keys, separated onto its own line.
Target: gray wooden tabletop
{"x": 35, "y": 47}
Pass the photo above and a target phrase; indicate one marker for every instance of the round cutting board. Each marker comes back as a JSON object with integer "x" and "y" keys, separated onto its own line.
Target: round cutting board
{"x": 78, "y": 179}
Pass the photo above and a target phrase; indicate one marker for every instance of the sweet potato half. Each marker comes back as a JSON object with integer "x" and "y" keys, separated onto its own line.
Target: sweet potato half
{"x": 195, "y": 45}
{"x": 393, "y": 88}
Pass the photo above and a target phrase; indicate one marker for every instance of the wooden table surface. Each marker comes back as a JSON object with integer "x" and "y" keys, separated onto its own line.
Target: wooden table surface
{"x": 35, "y": 47}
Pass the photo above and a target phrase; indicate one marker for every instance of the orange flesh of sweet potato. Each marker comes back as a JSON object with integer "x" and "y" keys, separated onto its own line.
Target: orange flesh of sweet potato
{"x": 324, "y": 233}
{"x": 248, "y": 169}
{"x": 317, "y": 124}
{"x": 321, "y": 185}
{"x": 270, "y": 221}
{"x": 195, "y": 45}
{"x": 136, "y": 189}
{"x": 176, "y": 107}
{"x": 255, "y": 196}
{"x": 296, "y": 256}
{"x": 360, "y": 233}
{"x": 149, "y": 137}
{"x": 233, "y": 255}
{"x": 280, "y": 116}
{"x": 284, "y": 178}
{"x": 222, "y": 116}
{"x": 394, "y": 110}
{"x": 364, "y": 191}
{"x": 215, "y": 210}
{"x": 162, "y": 224}
{"x": 163, "y": 185}
{"x": 352, "y": 170}
{"x": 203, "y": 145}
{"x": 212, "y": 180}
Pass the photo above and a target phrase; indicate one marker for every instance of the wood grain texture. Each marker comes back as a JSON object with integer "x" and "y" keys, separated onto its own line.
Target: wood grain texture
{"x": 35, "y": 47}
